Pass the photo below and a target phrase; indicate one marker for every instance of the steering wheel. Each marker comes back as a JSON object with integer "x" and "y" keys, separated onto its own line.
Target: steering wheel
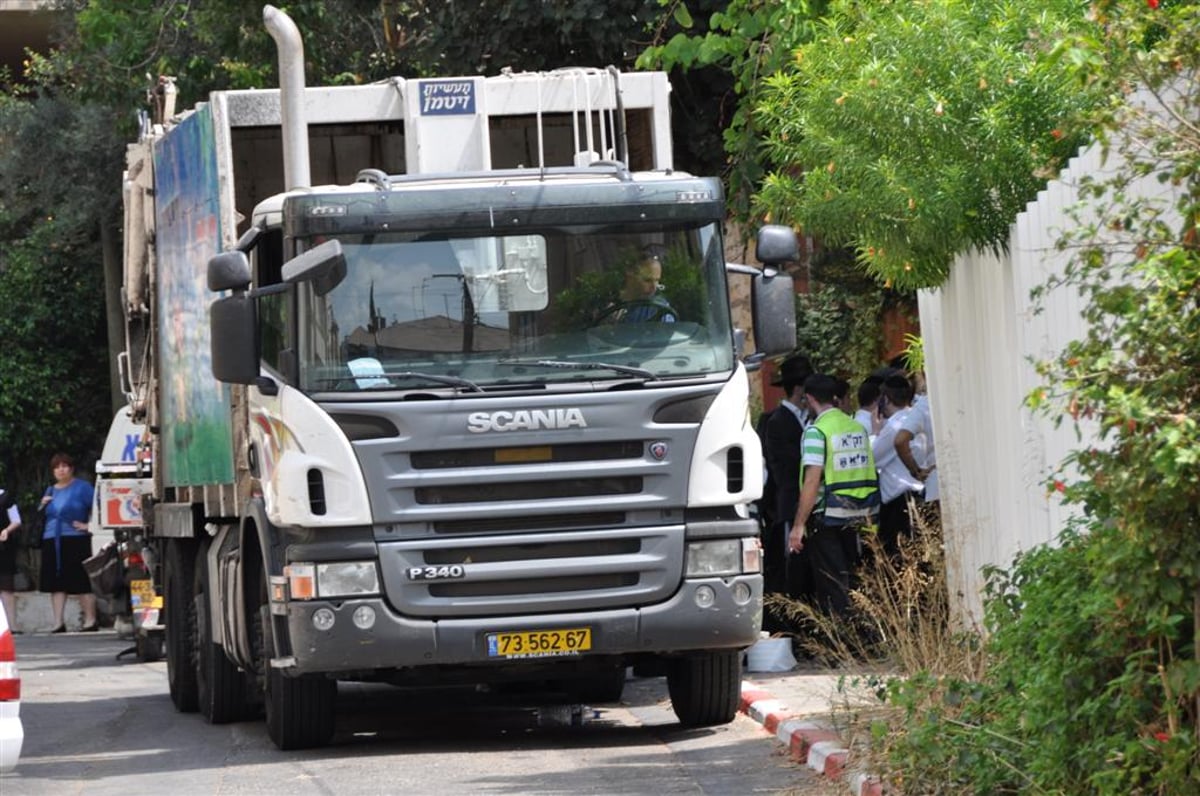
{"x": 646, "y": 312}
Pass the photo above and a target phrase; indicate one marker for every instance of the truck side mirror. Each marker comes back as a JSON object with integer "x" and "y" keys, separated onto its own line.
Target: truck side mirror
{"x": 776, "y": 244}
{"x": 229, "y": 271}
{"x": 324, "y": 266}
{"x": 773, "y": 304}
{"x": 773, "y": 296}
{"x": 233, "y": 323}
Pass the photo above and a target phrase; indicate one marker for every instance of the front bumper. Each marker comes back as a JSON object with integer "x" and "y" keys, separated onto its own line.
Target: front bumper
{"x": 680, "y": 624}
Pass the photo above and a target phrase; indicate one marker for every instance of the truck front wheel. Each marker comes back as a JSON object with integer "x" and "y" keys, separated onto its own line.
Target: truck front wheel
{"x": 179, "y": 607}
{"x": 300, "y": 710}
{"x": 705, "y": 688}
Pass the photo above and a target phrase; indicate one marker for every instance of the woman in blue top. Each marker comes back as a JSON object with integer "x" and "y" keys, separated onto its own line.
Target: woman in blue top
{"x": 67, "y": 542}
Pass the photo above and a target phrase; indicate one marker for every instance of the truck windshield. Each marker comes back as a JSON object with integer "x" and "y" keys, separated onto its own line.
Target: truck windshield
{"x": 489, "y": 312}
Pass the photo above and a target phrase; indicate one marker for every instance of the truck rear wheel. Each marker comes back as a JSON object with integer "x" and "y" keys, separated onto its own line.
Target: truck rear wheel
{"x": 300, "y": 710}
{"x": 220, "y": 686}
{"x": 179, "y": 606}
{"x": 705, "y": 688}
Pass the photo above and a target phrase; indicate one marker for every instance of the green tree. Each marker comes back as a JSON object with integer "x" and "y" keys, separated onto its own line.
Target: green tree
{"x": 526, "y": 35}
{"x": 55, "y": 392}
{"x": 885, "y": 138}
{"x": 742, "y": 41}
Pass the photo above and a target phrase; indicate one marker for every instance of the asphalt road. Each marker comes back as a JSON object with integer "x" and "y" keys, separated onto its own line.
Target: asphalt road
{"x": 96, "y": 724}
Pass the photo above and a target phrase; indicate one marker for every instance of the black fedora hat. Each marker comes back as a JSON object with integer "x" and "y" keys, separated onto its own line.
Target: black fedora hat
{"x": 793, "y": 370}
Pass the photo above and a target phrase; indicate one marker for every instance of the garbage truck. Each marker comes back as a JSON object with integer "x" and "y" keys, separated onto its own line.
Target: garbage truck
{"x": 411, "y": 419}
{"x": 122, "y": 479}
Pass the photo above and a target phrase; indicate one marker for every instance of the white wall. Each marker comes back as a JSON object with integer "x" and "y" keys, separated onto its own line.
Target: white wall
{"x": 982, "y": 336}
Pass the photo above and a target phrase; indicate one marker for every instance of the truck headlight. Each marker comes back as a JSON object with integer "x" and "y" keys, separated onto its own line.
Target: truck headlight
{"x": 347, "y": 579}
{"x": 308, "y": 581}
{"x": 723, "y": 557}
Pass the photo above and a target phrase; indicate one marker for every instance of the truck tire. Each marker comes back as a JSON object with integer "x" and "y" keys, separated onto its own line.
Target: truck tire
{"x": 300, "y": 710}
{"x": 706, "y": 688}
{"x": 179, "y": 607}
{"x": 220, "y": 686}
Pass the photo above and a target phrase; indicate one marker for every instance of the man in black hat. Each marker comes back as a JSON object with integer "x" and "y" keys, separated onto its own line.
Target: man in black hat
{"x": 783, "y": 449}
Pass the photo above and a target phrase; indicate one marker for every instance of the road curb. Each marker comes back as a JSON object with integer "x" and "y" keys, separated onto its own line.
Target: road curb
{"x": 811, "y": 742}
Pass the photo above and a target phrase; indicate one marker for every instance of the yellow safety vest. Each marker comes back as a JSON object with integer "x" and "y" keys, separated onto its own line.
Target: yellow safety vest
{"x": 850, "y": 482}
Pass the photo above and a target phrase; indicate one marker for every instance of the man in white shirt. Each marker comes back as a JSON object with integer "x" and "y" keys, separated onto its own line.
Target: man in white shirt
{"x": 868, "y": 399}
{"x": 896, "y": 481}
{"x": 914, "y": 442}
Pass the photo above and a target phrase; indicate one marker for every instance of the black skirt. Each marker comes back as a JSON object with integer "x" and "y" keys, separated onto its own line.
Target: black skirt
{"x": 67, "y": 575}
{"x": 8, "y": 563}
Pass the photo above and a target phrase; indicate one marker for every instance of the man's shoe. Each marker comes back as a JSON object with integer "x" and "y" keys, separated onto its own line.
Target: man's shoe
{"x": 92, "y": 628}
{"x": 59, "y": 629}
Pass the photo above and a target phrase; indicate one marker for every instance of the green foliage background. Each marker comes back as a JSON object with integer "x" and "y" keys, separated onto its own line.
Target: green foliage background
{"x": 885, "y": 139}
{"x": 747, "y": 41}
{"x": 839, "y": 321}
{"x": 53, "y": 363}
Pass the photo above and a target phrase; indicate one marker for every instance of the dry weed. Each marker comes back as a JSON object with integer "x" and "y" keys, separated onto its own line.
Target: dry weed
{"x": 899, "y": 625}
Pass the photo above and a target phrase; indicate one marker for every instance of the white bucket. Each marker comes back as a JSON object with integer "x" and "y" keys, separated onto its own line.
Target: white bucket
{"x": 771, "y": 655}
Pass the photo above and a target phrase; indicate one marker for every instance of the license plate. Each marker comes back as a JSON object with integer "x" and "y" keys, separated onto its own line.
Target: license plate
{"x": 141, "y": 594}
{"x": 539, "y": 643}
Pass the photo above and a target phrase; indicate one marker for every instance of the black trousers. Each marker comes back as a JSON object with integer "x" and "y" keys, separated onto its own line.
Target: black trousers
{"x": 774, "y": 559}
{"x": 894, "y": 522}
{"x": 833, "y": 553}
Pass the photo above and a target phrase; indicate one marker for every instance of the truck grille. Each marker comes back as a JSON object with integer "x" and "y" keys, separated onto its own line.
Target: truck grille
{"x": 472, "y": 524}
{"x": 528, "y": 573}
{"x": 524, "y": 454}
{"x": 490, "y": 492}
{"x": 542, "y": 522}
{"x": 514, "y": 587}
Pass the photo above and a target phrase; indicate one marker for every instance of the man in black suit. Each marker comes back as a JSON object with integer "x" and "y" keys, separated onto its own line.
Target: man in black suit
{"x": 784, "y": 433}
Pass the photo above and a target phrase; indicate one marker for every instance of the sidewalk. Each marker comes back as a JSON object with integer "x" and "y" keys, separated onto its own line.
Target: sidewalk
{"x": 34, "y": 614}
{"x": 796, "y": 708}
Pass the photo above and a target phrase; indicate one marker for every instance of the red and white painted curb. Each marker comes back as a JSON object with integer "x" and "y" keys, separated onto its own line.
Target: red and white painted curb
{"x": 814, "y": 743}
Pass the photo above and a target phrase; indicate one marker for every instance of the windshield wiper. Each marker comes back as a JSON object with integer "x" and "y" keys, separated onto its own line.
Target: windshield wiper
{"x": 566, "y": 364}
{"x": 374, "y": 380}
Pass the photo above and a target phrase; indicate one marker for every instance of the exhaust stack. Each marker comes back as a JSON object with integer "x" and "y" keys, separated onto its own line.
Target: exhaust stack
{"x": 291, "y": 97}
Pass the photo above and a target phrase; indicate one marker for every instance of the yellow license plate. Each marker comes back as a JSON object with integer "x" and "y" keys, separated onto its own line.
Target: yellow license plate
{"x": 141, "y": 594}
{"x": 542, "y": 453}
{"x": 539, "y": 643}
